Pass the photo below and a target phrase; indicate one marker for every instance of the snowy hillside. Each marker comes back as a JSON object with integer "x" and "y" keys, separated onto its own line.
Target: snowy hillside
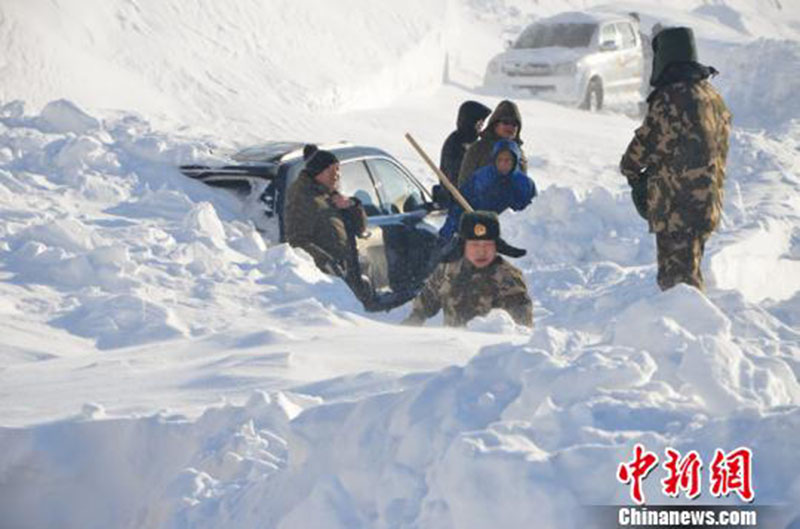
{"x": 162, "y": 365}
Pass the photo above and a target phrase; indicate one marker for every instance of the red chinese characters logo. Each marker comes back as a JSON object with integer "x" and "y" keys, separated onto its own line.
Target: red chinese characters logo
{"x": 683, "y": 474}
{"x": 636, "y": 471}
{"x": 731, "y": 472}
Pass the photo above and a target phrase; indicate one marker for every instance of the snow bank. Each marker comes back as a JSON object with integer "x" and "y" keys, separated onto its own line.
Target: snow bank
{"x": 520, "y": 435}
{"x": 118, "y": 321}
{"x": 754, "y": 264}
{"x": 99, "y": 213}
{"x": 563, "y": 227}
{"x": 120, "y": 485}
{"x": 760, "y": 81}
{"x": 755, "y": 250}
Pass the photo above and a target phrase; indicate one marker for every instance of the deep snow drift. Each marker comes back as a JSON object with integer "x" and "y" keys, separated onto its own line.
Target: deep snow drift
{"x": 162, "y": 365}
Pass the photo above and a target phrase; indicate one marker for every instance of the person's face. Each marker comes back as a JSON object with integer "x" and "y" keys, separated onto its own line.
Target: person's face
{"x": 479, "y": 125}
{"x": 504, "y": 162}
{"x": 480, "y": 253}
{"x": 329, "y": 177}
{"x": 506, "y": 128}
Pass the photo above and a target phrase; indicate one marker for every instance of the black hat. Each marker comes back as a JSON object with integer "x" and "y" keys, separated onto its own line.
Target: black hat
{"x": 484, "y": 226}
{"x": 317, "y": 160}
{"x": 672, "y": 45}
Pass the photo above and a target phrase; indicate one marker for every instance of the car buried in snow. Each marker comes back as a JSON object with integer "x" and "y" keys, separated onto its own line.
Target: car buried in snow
{"x": 399, "y": 250}
{"x": 586, "y": 59}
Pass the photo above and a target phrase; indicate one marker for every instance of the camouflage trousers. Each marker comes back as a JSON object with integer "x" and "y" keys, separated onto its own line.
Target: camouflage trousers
{"x": 679, "y": 256}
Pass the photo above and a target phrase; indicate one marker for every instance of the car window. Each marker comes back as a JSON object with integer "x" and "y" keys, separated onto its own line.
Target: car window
{"x": 628, "y": 36}
{"x": 238, "y": 187}
{"x": 399, "y": 194}
{"x": 608, "y": 33}
{"x": 561, "y": 35}
{"x": 356, "y": 182}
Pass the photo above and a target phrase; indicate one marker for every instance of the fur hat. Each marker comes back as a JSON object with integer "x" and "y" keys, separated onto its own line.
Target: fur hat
{"x": 672, "y": 45}
{"x": 485, "y": 226}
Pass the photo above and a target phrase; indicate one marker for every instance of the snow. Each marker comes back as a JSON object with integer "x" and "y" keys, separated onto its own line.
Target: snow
{"x": 163, "y": 365}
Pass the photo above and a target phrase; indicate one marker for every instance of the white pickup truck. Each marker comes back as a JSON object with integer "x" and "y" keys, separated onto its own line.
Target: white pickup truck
{"x": 586, "y": 59}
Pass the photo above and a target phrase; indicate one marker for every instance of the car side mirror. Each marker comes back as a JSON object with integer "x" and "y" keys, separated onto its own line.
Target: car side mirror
{"x": 508, "y": 44}
{"x": 609, "y": 45}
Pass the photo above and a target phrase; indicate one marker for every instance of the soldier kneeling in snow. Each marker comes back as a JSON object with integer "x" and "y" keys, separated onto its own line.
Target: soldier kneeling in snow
{"x": 478, "y": 280}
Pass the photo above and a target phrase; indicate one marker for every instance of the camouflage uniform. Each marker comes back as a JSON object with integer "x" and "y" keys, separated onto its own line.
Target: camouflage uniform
{"x": 464, "y": 292}
{"x": 676, "y": 162}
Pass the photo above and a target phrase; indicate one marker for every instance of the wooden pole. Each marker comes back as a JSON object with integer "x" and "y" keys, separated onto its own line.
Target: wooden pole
{"x": 442, "y": 177}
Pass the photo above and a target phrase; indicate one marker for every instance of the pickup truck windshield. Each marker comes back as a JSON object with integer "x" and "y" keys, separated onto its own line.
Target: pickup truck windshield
{"x": 556, "y": 35}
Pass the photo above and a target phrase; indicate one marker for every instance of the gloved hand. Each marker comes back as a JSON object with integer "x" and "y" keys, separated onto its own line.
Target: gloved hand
{"x": 441, "y": 196}
{"x": 639, "y": 196}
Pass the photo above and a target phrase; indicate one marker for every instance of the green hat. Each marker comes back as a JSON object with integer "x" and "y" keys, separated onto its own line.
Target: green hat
{"x": 672, "y": 45}
{"x": 485, "y": 226}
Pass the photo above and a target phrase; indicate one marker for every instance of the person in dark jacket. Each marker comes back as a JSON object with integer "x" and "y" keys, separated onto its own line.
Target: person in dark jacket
{"x": 494, "y": 187}
{"x": 505, "y": 123}
{"x": 471, "y": 115}
{"x": 323, "y": 222}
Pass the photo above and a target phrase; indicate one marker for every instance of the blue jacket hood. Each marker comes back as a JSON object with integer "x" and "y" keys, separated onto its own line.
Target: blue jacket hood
{"x": 507, "y": 145}
{"x": 488, "y": 190}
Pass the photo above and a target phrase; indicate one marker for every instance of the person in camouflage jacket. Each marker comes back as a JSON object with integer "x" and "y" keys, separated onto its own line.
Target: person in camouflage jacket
{"x": 477, "y": 281}
{"x": 675, "y": 163}
{"x": 505, "y": 123}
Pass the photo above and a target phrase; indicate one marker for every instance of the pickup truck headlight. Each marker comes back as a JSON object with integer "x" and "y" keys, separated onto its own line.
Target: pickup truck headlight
{"x": 567, "y": 68}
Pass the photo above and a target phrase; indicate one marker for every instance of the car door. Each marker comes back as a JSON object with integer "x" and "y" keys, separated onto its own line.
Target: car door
{"x": 633, "y": 61}
{"x": 356, "y": 182}
{"x": 411, "y": 241}
{"x": 611, "y": 53}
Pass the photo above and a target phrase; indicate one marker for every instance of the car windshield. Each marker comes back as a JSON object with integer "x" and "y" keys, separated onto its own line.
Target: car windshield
{"x": 561, "y": 35}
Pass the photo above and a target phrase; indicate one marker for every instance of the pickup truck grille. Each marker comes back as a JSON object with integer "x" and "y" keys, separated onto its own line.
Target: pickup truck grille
{"x": 514, "y": 69}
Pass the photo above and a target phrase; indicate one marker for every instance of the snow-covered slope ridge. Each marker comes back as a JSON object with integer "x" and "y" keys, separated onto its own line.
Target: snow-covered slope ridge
{"x": 202, "y": 63}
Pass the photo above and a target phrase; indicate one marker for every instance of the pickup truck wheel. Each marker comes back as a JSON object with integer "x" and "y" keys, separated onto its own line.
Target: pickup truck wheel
{"x": 593, "y": 100}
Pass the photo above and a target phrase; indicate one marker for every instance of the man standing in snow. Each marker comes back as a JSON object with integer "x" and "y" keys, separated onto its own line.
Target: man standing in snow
{"x": 675, "y": 163}
{"x": 323, "y": 222}
{"x": 476, "y": 279}
{"x": 505, "y": 123}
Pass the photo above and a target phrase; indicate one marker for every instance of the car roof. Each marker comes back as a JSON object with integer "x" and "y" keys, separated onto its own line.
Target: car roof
{"x": 583, "y": 17}
{"x": 285, "y": 151}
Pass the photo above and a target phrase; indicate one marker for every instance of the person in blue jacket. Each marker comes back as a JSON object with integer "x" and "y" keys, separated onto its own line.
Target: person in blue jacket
{"x": 495, "y": 187}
